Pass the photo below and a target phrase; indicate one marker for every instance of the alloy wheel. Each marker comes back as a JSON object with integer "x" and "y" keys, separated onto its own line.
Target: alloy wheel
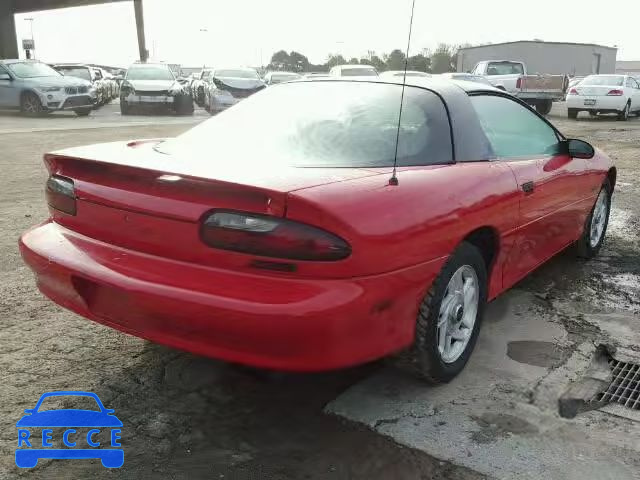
{"x": 458, "y": 312}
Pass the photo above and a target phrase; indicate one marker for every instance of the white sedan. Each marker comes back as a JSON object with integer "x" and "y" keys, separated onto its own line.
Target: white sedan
{"x": 619, "y": 94}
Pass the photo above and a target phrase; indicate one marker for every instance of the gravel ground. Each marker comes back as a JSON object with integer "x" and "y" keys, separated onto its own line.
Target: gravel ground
{"x": 188, "y": 417}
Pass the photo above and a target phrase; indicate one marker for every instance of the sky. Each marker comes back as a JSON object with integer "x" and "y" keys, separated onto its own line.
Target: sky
{"x": 247, "y": 32}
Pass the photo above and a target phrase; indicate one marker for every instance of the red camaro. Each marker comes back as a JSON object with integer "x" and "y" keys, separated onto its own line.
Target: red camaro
{"x": 271, "y": 234}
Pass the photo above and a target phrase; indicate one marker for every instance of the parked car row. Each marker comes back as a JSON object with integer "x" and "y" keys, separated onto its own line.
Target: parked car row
{"x": 105, "y": 85}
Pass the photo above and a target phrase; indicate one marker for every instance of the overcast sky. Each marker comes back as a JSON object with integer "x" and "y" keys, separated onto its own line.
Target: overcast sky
{"x": 196, "y": 32}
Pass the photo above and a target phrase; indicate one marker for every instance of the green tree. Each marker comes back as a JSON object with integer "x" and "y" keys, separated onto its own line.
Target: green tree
{"x": 334, "y": 60}
{"x": 442, "y": 57}
{"x": 298, "y": 62}
{"x": 419, "y": 62}
{"x": 279, "y": 60}
{"x": 375, "y": 61}
{"x": 354, "y": 61}
{"x": 395, "y": 60}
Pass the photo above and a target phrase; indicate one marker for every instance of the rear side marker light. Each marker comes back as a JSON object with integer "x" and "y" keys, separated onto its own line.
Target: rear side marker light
{"x": 615, "y": 93}
{"x": 268, "y": 236}
{"x": 61, "y": 194}
{"x": 573, "y": 91}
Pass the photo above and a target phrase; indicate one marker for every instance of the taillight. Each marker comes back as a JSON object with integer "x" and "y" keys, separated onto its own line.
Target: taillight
{"x": 61, "y": 194}
{"x": 573, "y": 91}
{"x": 519, "y": 82}
{"x": 271, "y": 237}
{"x": 615, "y": 93}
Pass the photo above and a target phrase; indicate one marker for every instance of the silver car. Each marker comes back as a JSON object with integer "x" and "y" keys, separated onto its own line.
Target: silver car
{"x": 34, "y": 87}
{"x": 228, "y": 86}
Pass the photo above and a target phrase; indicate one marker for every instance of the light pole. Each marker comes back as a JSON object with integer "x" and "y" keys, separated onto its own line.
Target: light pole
{"x": 30, "y": 20}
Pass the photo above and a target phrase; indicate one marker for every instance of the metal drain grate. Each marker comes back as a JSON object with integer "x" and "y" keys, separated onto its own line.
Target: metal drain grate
{"x": 625, "y": 386}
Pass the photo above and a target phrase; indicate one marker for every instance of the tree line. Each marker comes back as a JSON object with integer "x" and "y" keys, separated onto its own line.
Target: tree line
{"x": 442, "y": 59}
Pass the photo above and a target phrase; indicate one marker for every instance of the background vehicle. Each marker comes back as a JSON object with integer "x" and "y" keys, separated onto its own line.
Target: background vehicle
{"x": 353, "y": 71}
{"x": 272, "y": 78}
{"x": 227, "y": 86}
{"x": 275, "y": 247}
{"x": 537, "y": 90}
{"x": 401, "y": 73}
{"x": 34, "y": 88}
{"x": 199, "y": 86}
{"x": 467, "y": 77}
{"x": 317, "y": 76}
{"x": 101, "y": 88}
{"x": 619, "y": 94}
{"x": 154, "y": 85}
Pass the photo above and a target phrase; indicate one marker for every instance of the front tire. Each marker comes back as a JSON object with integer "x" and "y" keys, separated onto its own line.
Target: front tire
{"x": 450, "y": 315}
{"x": 595, "y": 228}
{"x": 82, "y": 112}
{"x": 572, "y": 113}
{"x": 31, "y": 105}
{"x": 124, "y": 107}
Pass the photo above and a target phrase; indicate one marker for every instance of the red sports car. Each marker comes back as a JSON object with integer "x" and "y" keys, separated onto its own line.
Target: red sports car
{"x": 277, "y": 234}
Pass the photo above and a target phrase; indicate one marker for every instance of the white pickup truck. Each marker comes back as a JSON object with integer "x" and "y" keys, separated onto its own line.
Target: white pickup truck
{"x": 537, "y": 90}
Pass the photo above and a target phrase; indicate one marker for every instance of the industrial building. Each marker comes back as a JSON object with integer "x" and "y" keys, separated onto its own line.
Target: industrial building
{"x": 629, "y": 67}
{"x": 577, "y": 59}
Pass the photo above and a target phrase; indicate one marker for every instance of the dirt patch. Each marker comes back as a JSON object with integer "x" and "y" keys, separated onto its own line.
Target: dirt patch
{"x": 494, "y": 426}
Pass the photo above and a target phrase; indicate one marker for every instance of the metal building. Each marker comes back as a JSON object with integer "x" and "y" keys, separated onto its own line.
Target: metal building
{"x": 544, "y": 57}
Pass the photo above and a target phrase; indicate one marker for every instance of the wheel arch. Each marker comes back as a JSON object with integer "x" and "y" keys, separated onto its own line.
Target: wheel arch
{"x": 487, "y": 240}
{"x": 612, "y": 175}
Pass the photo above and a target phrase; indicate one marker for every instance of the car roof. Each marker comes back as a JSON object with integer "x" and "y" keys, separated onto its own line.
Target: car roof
{"x": 18, "y": 60}
{"x": 434, "y": 83}
{"x": 149, "y": 64}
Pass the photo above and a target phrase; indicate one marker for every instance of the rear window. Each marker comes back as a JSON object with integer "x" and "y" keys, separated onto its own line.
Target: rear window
{"x": 358, "y": 72}
{"x": 323, "y": 124}
{"x": 236, "y": 73}
{"x": 505, "y": 68}
{"x": 78, "y": 72}
{"x": 150, "y": 72}
{"x": 607, "y": 80}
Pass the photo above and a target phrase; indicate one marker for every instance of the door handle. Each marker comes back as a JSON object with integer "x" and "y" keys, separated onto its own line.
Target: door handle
{"x": 527, "y": 187}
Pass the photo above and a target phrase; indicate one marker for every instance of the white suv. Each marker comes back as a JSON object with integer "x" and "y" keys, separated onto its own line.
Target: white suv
{"x": 34, "y": 88}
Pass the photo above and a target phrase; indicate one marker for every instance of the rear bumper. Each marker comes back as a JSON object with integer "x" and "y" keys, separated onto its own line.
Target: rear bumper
{"x": 602, "y": 103}
{"x": 257, "y": 319}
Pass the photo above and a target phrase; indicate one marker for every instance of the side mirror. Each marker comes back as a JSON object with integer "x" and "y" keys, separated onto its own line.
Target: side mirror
{"x": 5, "y": 76}
{"x": 580, "y": 149}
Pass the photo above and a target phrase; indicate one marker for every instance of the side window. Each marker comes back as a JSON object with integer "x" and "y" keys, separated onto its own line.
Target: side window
{"x": 629, "y": 83}
{"x": 512, "y": 129}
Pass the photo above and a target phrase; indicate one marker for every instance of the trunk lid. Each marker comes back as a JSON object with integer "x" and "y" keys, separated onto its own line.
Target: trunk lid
{"x": 132, "y": 196}
{"x": 595, "y": 90}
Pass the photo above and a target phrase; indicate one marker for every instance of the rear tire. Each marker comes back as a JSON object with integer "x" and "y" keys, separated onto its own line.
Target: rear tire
{"x": 124, "y": 107}
{"x": 82, "y": 112}
{"x": 624, "y": 114}
{"x": 543, "y": 107}
{"x": 572, "y": 113}
{"x": 589, "y": 243}
{"x": 429, "y": 360}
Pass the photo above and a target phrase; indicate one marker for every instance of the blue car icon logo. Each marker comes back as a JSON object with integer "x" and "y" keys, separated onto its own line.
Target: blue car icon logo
{"x": 76, "y": 429}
